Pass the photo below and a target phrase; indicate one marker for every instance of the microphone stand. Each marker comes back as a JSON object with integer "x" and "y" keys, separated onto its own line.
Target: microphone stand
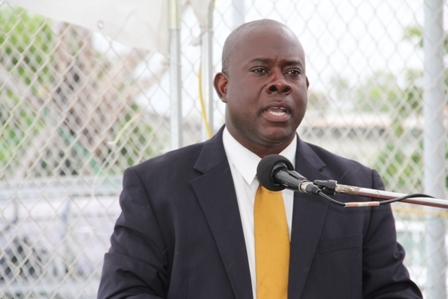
{"x": 331, "y": 187}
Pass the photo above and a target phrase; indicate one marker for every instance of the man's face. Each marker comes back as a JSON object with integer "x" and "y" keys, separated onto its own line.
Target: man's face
{"x": 265, "y": 89}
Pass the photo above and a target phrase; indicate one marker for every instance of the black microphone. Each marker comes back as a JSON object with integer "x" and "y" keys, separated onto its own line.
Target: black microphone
{"x": 275, "y": 173}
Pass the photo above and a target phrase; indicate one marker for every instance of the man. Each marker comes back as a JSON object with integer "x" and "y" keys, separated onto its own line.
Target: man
{"x": 187, "y": 223}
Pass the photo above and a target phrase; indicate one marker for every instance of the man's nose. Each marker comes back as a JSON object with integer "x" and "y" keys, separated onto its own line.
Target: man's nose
{"x": 278, "y": 85}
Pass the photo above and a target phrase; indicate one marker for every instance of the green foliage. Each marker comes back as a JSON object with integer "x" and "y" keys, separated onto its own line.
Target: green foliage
{"x": 25, "y": 44}
{"x": 31, "y": 57}
{"x": 414, "y": 34}
{"x": 399, "y": 168}
{"x": 379, "y": 92}
{"x": 137, "y": 146}
{"x": 406, "y": 168}
{"x": 413, "y": 91}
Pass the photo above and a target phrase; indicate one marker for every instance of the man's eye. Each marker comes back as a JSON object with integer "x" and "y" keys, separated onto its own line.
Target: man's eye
{"x": 259, "y": 70}
{"x": 294, "y": 72}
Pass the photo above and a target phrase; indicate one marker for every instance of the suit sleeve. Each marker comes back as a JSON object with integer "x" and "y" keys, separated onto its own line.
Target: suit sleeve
{"x": 136, "y": 265}
{"x": 384, "y": 275}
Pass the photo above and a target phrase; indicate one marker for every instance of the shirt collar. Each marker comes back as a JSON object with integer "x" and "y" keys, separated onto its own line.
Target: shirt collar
{"x": 245, "y": 161}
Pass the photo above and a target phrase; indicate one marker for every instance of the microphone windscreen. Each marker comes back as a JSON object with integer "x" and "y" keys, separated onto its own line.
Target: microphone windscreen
{"x": 266, "y": 168}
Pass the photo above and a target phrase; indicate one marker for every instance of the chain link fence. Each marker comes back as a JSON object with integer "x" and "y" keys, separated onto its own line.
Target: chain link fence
{"x": 77, "y": 108}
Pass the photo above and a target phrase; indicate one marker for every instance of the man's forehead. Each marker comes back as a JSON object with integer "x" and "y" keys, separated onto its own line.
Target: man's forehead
{"x": 263, "y": 29}
{"x": 263, "y": 40}
{"x": 265, "y": 33}
{"x": 257, "y": 38}
{"x": 292, "y": 61}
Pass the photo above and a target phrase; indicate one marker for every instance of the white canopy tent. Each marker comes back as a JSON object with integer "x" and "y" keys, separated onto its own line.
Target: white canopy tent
{"x": 143, "y": 24}
{"x": 152, "y": 25}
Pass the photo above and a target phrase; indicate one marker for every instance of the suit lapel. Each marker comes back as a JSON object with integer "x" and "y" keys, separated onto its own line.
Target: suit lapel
{"x": 308, "y": 219}
{"x": 216, "y": 195}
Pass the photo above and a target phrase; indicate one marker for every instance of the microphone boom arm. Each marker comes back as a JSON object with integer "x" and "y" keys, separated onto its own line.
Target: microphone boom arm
{"x": 331, "y": 187}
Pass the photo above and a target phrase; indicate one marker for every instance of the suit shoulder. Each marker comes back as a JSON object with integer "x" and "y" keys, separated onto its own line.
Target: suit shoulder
{"x": 346, "y": 171}
{"x": 330, "y": 158}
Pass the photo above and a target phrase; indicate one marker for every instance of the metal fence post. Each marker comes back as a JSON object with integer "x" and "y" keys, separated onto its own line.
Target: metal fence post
{"x": 434, "y": 144}
{"x": 175, "y": 74}
{"x": 207, "y": 71}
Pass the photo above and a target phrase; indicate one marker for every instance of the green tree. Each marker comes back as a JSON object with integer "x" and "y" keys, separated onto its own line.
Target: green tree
{"x": 400, "y": 167}
{"x": 63, "y": 101}
{"x": 24, "y": 50}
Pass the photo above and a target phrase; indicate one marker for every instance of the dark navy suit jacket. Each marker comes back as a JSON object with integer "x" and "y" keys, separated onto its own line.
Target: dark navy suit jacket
{"x": 180, "y": 236}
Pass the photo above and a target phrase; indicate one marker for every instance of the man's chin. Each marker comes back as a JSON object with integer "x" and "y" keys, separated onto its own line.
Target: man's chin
{"x": 278, "y": 137}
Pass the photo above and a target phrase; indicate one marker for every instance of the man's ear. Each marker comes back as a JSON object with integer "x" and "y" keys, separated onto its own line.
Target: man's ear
{"x": 307, "y": 83}
{"x": 220, "y": 83}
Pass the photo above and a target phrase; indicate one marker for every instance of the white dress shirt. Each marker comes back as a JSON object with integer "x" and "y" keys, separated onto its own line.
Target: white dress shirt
{"x": 243, "y": 165}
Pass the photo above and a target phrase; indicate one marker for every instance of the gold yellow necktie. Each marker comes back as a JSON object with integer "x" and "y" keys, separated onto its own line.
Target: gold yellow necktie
{"x": 271, "y": 245}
